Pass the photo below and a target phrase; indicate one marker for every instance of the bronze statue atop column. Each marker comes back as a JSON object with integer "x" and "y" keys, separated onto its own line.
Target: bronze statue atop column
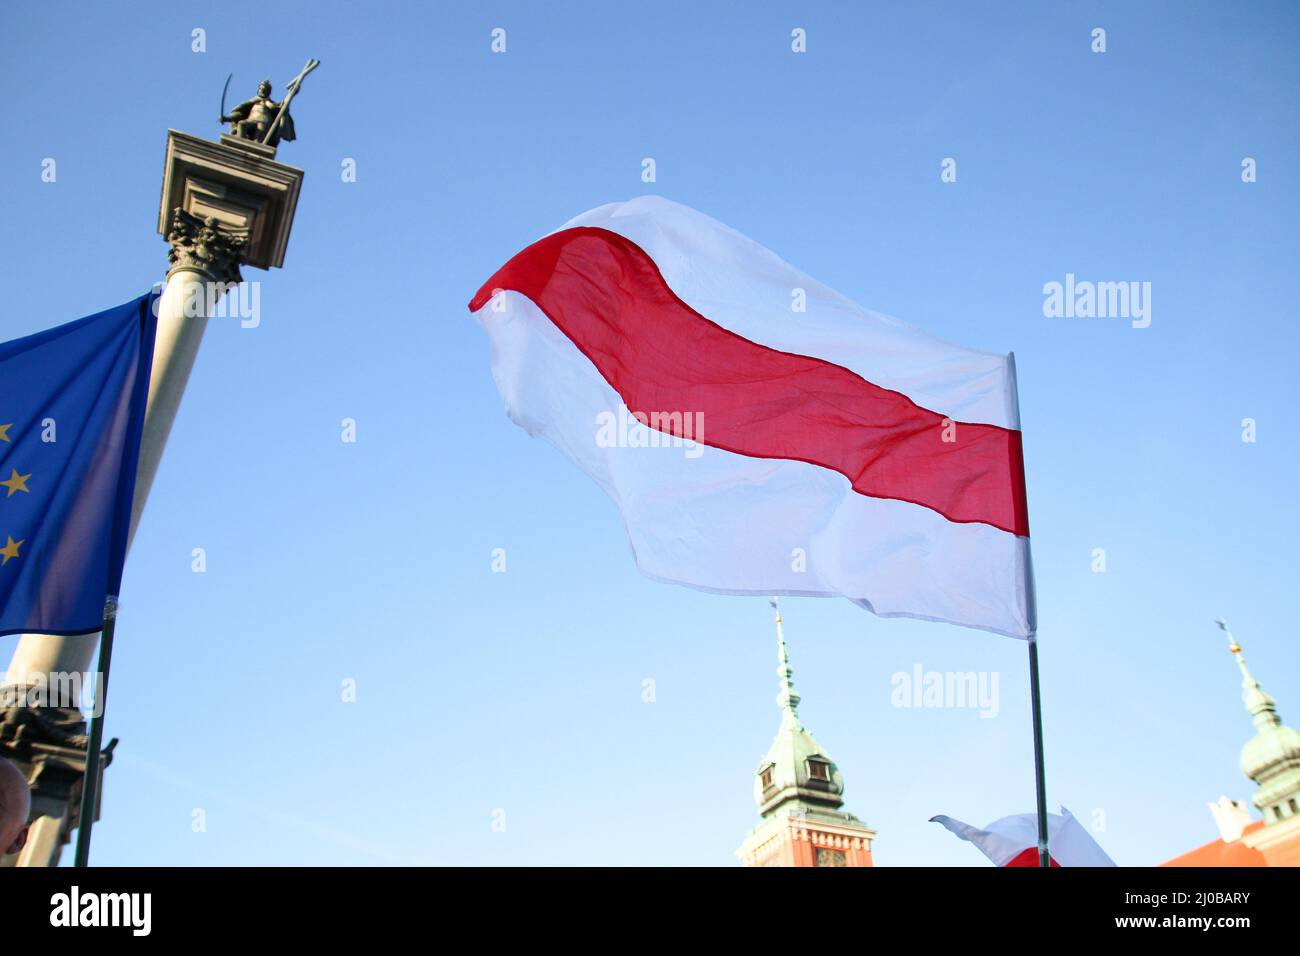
{"x": 262, "y": 119}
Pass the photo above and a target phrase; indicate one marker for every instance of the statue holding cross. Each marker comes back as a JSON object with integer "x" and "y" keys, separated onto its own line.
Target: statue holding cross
{"x": 262, "y": 119}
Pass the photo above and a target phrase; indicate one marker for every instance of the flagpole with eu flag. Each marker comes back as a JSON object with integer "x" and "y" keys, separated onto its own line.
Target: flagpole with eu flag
{"x": 91, "y": 778}
{"x": 73, "y": 410}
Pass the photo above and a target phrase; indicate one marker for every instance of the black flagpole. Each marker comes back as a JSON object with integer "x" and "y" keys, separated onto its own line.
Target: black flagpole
{"x": 1040, "y": 776}
{"x": 1035, "y": 697}
{"x": 90, "y": 782}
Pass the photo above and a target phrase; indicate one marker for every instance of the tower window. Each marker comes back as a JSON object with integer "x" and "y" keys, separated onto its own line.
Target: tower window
{"x": 766, "y": 777}
{"x": 1292, "y": 803}
{"x": 818, "y": 770}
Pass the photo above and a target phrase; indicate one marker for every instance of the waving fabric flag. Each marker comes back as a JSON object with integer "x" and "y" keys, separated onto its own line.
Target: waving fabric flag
{"x": 72, "y": 403}
{"x": 1013, "y": 841}
{"x": 761, "y": 433}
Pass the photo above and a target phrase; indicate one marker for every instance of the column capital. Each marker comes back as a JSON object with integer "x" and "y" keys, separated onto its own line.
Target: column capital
{"x": 200, "y": 245}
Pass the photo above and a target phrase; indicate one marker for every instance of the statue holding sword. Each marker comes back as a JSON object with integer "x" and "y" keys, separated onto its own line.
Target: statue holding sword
{"x": 261, "y": 119}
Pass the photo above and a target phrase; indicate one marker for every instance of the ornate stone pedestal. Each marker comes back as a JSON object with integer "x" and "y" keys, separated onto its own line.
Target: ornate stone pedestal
{"x": 49, "y": 745}
{"x": 237, "y": 183}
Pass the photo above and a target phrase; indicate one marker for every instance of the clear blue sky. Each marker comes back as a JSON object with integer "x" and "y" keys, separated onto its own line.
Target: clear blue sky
{"x": 522, "y": 691}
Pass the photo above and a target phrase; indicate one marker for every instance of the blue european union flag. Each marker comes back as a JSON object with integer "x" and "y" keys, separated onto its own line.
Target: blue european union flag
{"x": 72, "y": 403}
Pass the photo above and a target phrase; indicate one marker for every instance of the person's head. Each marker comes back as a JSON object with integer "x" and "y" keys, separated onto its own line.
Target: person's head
{"x": 263, "y": 89}
{"x": 15, "y": 806}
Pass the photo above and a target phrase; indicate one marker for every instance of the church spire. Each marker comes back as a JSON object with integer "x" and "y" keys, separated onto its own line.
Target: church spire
{"x": 1272, "y": 757}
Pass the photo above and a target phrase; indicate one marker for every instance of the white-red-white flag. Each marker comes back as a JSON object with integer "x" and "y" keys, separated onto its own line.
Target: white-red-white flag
{"x": 1013, "y": 841}
{"x": 760, "y": 432}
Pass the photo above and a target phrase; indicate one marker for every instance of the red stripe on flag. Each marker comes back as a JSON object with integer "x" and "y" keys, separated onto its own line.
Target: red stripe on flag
{"x": 1029, "y": 857}
{"x": 607, "y": 295}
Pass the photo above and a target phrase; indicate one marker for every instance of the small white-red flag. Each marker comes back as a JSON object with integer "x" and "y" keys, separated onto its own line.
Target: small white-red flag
{"x": 1013, "y": 841}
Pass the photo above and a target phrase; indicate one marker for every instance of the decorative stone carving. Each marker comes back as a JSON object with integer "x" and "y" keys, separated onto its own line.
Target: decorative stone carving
{"x": 48, "y": 744}
{"x": 201, "y": 244}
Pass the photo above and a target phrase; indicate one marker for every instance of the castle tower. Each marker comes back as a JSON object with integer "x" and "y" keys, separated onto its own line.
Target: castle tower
{"x": 799, "y": 791}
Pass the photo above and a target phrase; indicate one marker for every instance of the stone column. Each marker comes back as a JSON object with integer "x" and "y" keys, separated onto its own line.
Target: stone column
{"x": 224, "y": 205}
